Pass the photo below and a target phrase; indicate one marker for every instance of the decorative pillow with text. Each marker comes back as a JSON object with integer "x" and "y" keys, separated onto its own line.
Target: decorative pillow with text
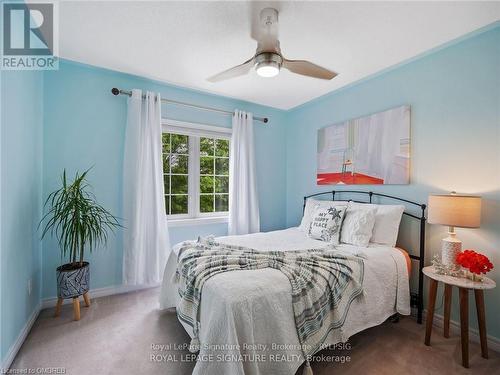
{"x": 326, "y": 223}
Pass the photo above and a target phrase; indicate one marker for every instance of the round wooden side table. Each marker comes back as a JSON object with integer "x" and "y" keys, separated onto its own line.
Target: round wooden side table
{"x": 464, "y": 285}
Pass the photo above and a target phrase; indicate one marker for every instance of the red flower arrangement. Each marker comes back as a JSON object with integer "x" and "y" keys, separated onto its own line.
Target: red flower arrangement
{"x": 474, "y": 262}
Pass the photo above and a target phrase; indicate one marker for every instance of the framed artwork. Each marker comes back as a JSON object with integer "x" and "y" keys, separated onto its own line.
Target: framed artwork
{"x": 370, "y": 150}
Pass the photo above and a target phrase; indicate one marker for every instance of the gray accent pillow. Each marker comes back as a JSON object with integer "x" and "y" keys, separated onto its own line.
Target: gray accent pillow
{"x": 311, "y": 205}
{"x": 326, "y": 223}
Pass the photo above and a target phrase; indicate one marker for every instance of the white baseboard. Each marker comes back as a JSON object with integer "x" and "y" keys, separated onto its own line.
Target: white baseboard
{"x": 99, "y": 292}
{"x": 11, "y": 354}
{"x": 438, "y": 321}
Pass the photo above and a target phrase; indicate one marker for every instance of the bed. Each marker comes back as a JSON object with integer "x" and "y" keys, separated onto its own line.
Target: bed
{"x": 246, "y": 317}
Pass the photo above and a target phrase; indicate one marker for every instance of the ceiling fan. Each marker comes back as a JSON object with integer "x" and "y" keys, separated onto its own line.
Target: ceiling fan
{"x": 268, "y": 59}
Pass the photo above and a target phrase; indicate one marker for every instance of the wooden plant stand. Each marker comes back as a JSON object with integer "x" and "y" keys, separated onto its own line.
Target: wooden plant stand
{"x": 76, "y": 305}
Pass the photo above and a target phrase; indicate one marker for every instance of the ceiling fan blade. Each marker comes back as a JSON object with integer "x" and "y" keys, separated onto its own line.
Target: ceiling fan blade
{"x": 238, "y": 70}
{"x": 309, "y": 69}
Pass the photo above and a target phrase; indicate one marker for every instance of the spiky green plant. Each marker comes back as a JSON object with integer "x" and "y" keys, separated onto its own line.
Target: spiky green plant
{"x": 76, "y": 219}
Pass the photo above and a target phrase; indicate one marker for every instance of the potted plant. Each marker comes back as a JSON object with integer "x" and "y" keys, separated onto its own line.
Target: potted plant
{"x": 79, "y": 223}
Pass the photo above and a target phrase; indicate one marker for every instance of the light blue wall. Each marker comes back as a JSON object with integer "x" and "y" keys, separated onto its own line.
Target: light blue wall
{"x": 84, "y": 126}
{"x": 21, "y": 189}
{"x": 455, "y": 125}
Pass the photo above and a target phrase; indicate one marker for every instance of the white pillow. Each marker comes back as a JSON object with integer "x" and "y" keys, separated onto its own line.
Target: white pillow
{"x": 358, "y": 225}
{"x": 387, "y": 220}
{"x": 326, "y": 223}
{"x": 311, "y": 205}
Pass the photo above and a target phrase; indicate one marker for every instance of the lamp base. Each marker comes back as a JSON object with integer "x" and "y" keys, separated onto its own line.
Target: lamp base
{"x": 451, "y": 246}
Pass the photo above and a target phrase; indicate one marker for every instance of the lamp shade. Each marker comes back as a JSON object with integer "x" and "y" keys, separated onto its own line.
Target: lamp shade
{"x": 455, "y": 210}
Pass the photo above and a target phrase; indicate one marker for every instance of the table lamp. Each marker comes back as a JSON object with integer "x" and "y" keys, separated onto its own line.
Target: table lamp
{"x": 453, "y": 210}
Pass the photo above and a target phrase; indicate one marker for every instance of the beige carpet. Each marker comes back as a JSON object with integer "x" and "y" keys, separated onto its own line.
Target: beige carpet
{"x": 115, "y": 336}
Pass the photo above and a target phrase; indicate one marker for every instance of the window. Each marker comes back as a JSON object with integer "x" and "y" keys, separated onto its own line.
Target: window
{"x": 196, "y": 172}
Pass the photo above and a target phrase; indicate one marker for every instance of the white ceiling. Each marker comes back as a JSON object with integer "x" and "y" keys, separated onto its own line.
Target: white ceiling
{"x": 185, "y": 42}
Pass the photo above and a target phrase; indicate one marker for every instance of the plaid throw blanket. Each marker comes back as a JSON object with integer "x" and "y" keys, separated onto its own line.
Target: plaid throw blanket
{"x": 324, "y": 283}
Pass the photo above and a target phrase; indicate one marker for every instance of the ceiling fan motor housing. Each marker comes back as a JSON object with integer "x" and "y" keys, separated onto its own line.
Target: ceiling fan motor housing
{"x": 268, "y": 59}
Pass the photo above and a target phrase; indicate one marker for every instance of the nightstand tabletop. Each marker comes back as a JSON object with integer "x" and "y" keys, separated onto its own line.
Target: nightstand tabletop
{"x": 460, "y": 282}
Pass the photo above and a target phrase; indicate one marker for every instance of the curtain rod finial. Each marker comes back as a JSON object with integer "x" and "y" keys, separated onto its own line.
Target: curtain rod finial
{"x": 266, "y": 120}
{"x": 115, "y": 91}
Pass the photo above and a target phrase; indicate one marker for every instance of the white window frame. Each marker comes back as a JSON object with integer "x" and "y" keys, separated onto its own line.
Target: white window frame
{"x": 195, "y": 131}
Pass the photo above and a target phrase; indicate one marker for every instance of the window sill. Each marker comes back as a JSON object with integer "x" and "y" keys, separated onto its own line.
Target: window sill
{"x": 172, "y": 223}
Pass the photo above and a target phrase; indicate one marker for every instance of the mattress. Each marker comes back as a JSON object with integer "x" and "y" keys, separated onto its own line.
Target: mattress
{"x": 246, "y": 317}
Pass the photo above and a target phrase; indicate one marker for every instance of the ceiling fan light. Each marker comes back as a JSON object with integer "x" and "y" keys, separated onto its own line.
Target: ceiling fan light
{"x": 268, "y": 69}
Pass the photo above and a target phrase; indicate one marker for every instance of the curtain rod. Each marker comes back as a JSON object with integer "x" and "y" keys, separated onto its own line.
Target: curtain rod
{"x": 116, "y": 91}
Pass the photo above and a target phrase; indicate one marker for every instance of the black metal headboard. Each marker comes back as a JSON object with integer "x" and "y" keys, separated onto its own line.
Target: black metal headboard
{"x": 420, "y": 258}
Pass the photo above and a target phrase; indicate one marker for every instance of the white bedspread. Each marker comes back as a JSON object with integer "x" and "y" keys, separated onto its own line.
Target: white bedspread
{"x": 246, "y": 317}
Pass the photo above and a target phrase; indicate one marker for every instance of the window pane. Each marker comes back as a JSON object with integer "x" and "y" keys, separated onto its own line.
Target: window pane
{"x": 222, "y": 166}
{"x": 179, "y": 204}
{"x": 175, "y": 149}
{"x": 179, "y": 144}
{"x": 206, "y": 146}
{"x": 222, "y": 147}
{"x": 167, "y": 204}
{"x": 206, "y": 203}
{"x": 166, "y": 142}
{"x": 179, "y": 184}
{"x": 206, "y": 184}
{"x": 166, "y": 183}
{"x": 221, "y": 203}
{"x": 222, "y": 184}
{"x": 166, "y": 163}
{"x": 206, "y": 165}
{"x": 179, "y": 164}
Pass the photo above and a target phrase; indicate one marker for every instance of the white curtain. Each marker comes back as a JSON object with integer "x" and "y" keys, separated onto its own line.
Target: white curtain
{"x": 146, "y": 243}
{"x": 243, "y": 200}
